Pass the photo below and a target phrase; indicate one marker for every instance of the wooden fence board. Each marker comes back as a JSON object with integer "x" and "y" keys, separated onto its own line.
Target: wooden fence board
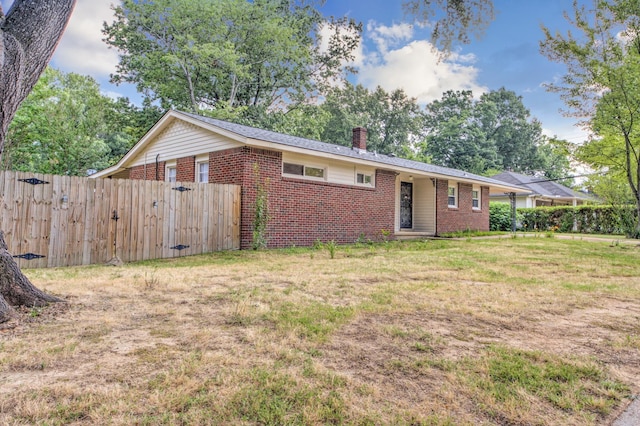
{"x": 69, "y": 220}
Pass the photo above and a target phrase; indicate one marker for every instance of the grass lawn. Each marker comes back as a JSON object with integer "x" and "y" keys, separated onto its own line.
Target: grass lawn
{"x": 518, "y": 331}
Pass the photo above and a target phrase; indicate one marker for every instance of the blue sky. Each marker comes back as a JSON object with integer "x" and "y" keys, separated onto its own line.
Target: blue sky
{"x": 393, "y": 54}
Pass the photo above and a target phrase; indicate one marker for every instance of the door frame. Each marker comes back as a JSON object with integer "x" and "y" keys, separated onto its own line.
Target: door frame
{"x": 410, "y": 184}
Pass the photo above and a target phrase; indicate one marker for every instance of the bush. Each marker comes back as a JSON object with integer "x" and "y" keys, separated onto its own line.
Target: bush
{"x": 587, "y": 219}
{"x": 500, "y": 217}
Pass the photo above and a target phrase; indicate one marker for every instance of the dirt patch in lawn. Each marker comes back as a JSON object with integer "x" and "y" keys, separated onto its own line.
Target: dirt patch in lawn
{"x": 410, "y": 358}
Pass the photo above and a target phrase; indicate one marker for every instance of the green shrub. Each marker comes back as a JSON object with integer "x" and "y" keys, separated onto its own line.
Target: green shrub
{"x": 587, "y": 219}
{"x": 500, "y": 216}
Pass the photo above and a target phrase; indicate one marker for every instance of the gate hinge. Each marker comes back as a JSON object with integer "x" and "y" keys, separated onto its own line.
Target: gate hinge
{"x": 29, "y": 256}
{"x": 182, "y": 188}
{"x": 34, "y": 181}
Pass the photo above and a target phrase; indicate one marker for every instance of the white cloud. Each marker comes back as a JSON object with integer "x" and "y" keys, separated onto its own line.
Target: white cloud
{"x": 385, "y": 37}
{"x": 81, "y": 49}
{"x": 414, "y": 65}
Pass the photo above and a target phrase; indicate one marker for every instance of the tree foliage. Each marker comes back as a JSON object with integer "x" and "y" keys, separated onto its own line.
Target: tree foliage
{"x": 199, "y": 55}
{"x": 67, "y": 127}
{"x": 490, "y": 134}
{"x": 394, "y": 121}
{"x": 602, "y": 84}
{"x": 455, "y": 137}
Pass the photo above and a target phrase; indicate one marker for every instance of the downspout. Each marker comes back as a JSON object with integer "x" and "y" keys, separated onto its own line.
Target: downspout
{"x": 144, "y": 172}
{"x": 435, "y": 191}
{"x": 157, "y": 156}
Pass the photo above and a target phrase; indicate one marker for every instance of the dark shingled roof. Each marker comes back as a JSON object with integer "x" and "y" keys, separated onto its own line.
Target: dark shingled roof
{"x": 340, "y": 150}
{"x": 540, "y": 186}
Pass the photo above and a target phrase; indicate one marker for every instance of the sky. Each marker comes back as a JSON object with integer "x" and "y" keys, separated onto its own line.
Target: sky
{"x": 393, "y": 54}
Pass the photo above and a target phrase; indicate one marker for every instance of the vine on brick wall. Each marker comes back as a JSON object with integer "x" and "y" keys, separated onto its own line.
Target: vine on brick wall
{"x": 261, "y": 210}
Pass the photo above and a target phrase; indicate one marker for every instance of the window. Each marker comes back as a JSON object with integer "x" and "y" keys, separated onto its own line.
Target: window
{"x": 364, "y": 179}
{"x": 293, "y": 169}
{"x": 171, "y": 174}
{"x": 314, "y": 172}
{"x": 300, "y": 170}
{"x": 203, "y": 172}
{"x": 475, "y": 198}
{"x": 453, "y": 196}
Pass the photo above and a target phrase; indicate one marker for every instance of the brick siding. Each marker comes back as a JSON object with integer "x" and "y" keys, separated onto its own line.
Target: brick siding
{"x": 138, "y": 172}
{"x": 302, "y": 211}
{"x": 464, "y": 216}
{"x": 186, "y": 169}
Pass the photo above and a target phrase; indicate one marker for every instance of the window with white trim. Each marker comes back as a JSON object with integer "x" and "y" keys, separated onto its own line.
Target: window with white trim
{"x": 364, "y": 178}
{"x": 302, "y": 170}
{"x": 475, "y": 197}
{"x": 202, "y": 170}
{"x": 171, "y": 174}
{"x": 452, "y": 199}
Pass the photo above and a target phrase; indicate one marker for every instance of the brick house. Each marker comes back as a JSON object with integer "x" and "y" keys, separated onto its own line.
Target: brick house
{"x": 316, "y": 190}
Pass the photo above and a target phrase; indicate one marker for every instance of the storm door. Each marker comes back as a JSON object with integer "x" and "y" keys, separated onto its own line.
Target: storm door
{"x": 406, "y": 205}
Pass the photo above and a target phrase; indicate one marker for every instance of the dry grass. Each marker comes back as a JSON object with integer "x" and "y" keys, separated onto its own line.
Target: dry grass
{"x": 512, "y": 331}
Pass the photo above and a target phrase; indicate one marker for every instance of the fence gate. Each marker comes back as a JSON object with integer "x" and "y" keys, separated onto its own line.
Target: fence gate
{"x": 53, "y": 221}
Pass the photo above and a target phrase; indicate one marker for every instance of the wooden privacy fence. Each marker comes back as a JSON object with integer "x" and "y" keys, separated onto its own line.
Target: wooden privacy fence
{"x": 52, "y": 221}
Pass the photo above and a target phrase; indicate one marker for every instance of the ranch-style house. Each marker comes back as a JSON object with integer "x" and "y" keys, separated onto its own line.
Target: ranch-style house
{"x": 315, "y": 190}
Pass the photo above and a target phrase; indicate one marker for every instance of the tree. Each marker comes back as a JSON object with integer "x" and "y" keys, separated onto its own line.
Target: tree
{"x": 454, "y": 19}
{"x": 455, "y": 135}
{"x": 67, "y": 127}
{"x": 203, "y": 55}
{"x": 29, "y": 34}
{"x": 393, "y": 120}
{"x": 554, "y": 155}
{"x": 60, "y": 128}
{"x": 602, "y": 84}
{"x": 507, "y": 125}
{"x": 489, "y": 135}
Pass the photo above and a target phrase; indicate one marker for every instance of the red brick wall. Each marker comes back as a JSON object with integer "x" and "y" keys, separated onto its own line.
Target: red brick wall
{"x": 138, "y": 172}
{"x": 303, "y": 211}
{"x": 464, "y": 216}
{"x": 186, "y": 169}
{"x": 227, "y": 166}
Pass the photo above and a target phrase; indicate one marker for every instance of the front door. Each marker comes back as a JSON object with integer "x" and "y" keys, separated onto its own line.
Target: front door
{"x": 406, "y": 205}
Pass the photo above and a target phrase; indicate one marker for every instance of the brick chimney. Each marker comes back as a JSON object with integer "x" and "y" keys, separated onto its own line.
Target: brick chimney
{"x": 359, "y": 141}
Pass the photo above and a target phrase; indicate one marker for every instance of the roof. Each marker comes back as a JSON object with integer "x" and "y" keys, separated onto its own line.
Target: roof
{"x": 541, "y": 186}
{"x": 255, "y": 136}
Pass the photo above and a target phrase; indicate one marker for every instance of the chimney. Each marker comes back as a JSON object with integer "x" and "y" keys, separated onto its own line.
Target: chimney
{"x": 359, "y": 141}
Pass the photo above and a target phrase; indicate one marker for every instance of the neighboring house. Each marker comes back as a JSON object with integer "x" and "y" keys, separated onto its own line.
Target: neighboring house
{"x": 316, "y": 190}
{"x": 543, "y": 193}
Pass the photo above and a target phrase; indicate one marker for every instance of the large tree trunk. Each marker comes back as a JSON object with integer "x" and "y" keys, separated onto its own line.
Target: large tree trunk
{"x": 15, "y": 287}
{"x": 29, "y": 34}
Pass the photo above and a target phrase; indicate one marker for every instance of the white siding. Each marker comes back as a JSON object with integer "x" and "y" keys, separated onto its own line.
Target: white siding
{"x": 424, "y": 206}
{"x": 181, "y": 139}
{"x": 336, "y": 171}
{"x": 521, "y": 201}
